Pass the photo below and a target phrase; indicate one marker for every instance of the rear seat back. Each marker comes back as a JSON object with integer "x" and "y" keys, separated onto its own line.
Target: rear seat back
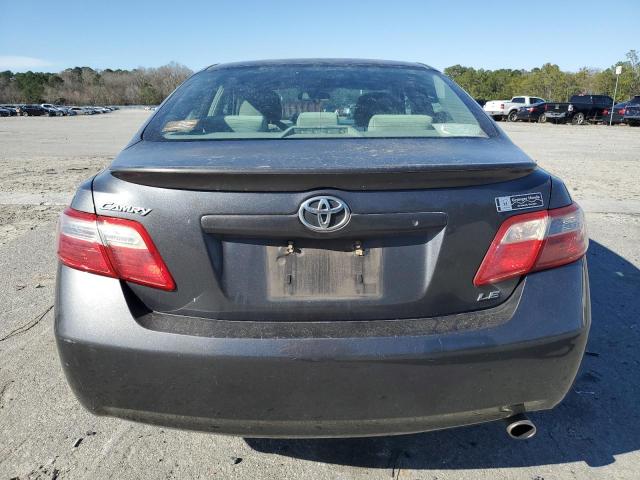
{"x": 247, "y": 109}
{"x": 246, "y": 123}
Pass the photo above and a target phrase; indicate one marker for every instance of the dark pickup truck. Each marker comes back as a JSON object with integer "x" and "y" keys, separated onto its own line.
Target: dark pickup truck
{"x": 579, "y": 110}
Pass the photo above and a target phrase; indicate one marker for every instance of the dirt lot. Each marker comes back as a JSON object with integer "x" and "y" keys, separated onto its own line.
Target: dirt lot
{"x": 44, "y": 433}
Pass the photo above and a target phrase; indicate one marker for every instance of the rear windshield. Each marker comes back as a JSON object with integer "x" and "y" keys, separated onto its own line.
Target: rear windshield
{"x": 282, "y": 102}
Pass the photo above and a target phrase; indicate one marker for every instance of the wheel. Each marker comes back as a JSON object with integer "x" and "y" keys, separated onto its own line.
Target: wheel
{"x": 25, "y": 114}
{"x": 634, "y": 123}
{"x": 497, "y": 118}
{"x": 579, "y": 119}
{"x": 513, "y": 116}
{"x": 542, "y": 118}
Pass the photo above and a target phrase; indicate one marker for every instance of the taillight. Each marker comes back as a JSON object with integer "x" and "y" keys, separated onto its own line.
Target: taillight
{"x": 622, "y": 111}
{"x": 79, "y": 244}
{"x": 566, "y": 238}
{"x": 502, "y": 106}
{"x": 534, "y": 241}
{"x": 546, "y": 107}
{"x": 605, "y": 112}
{"x": 531, "y": 109}
{"x": 114, "y": 247}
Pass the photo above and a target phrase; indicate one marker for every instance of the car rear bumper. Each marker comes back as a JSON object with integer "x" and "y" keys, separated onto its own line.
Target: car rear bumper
{"x": 324, "y": 379}
{"x": 614, "y": 119}
{"x": 555, "y": 115}
{"x": 527, "y": 116}
{"x": 495, "y": 113}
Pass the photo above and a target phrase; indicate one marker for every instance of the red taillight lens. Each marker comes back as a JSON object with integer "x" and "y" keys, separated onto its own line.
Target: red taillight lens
{"x": 114, "y": 247}
{"x": 514, "y": 249}
{"x": 502, "y": 106}
{"x": 79, "y": 244}
{"x": 534, "y": 241}
{"x": 622, "y": 111}
{"x": 566, "y": 238}
{"x": 605, "y": 112}
{"x": 531, "y": 109}
{"x": 546, "y": 107}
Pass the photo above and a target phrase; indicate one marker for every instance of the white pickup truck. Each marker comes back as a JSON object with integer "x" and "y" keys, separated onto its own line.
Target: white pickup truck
{"x": 507, "y": 109}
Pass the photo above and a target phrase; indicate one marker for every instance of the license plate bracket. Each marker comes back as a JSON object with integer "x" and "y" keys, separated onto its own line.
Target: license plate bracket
{"x": 323, "y": 274}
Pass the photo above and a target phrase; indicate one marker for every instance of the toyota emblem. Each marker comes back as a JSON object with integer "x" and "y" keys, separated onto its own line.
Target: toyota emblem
{"x": 324, "y": 214}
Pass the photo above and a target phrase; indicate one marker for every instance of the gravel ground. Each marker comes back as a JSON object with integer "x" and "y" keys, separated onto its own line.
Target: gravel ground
{"x": 44, "y": 433}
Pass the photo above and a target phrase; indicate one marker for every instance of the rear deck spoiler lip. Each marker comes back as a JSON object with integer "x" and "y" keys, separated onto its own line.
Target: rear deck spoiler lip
{"x": 252, "y": 180}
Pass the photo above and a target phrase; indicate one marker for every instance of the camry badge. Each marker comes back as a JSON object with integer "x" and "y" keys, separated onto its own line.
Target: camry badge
{"x": 114, "y": 207}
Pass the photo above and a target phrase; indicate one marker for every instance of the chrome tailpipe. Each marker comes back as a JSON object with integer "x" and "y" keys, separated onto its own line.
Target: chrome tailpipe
{"x": 519, "y": 427}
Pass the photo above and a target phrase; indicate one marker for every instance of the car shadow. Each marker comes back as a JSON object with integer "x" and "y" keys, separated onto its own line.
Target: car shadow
{"x": 598, "y": 419}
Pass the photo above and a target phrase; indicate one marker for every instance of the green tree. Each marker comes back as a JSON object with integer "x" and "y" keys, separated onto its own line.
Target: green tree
{"x": 149, "y": 95}
{"x": 31, "y": 86}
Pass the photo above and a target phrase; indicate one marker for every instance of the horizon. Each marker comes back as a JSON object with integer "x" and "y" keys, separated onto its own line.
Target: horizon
{"x": 490, "y": 37}
{"x": 171, "y": 62}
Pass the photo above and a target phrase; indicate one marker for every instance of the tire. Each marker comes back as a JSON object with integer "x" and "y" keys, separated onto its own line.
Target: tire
{"x": 579, "y": 119}
{"x": 513, "y": 116}
{"x": 25, "y": 114}
{"x": 634, "y": 123}
{"x": 542, "y": 118}
{"x": 497, "y": 118}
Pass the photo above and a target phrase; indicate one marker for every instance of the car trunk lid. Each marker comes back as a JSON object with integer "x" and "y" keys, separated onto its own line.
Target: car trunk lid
{"x": 225, "y": 218}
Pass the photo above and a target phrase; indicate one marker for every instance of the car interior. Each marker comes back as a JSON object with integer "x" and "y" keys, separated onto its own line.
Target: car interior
{"x": 320, "y": 108}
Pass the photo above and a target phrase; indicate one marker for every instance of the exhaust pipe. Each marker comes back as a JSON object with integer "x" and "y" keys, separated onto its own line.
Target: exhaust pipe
{"x": 519, "y": 427}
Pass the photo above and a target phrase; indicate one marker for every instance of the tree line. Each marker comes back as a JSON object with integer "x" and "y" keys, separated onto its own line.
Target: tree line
{"x": 149, "y": 86}
{"x": 549, "y": 82}
{"x": 86, "y": 86}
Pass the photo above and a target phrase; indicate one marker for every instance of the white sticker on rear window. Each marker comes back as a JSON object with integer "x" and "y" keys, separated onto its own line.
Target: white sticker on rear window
{"x": 519, "y": 202}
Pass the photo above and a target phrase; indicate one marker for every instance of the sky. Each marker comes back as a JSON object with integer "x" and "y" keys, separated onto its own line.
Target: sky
{"x": 51, "y": 36}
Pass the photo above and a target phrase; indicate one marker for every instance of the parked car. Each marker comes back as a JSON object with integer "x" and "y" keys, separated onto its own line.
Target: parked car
{"x": 4, "y": 112}
{"x": 632, "y": 115}
{"x": 52, "y": 111}
{"x": 66, "y": 110}
{"x": 12, "y": 109}
{"x": 83, "y": 110}
{"x": 32, "y": 110}
{"x": 579, "y": 110}
{"x": 532, "y": 113}
{"x": 508, "y": 109}
{"x": 632, "y": 112}
{"x": 618, "y": 114}
{"x": 63, "y": 108}
{"x": 432, "y": 274}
